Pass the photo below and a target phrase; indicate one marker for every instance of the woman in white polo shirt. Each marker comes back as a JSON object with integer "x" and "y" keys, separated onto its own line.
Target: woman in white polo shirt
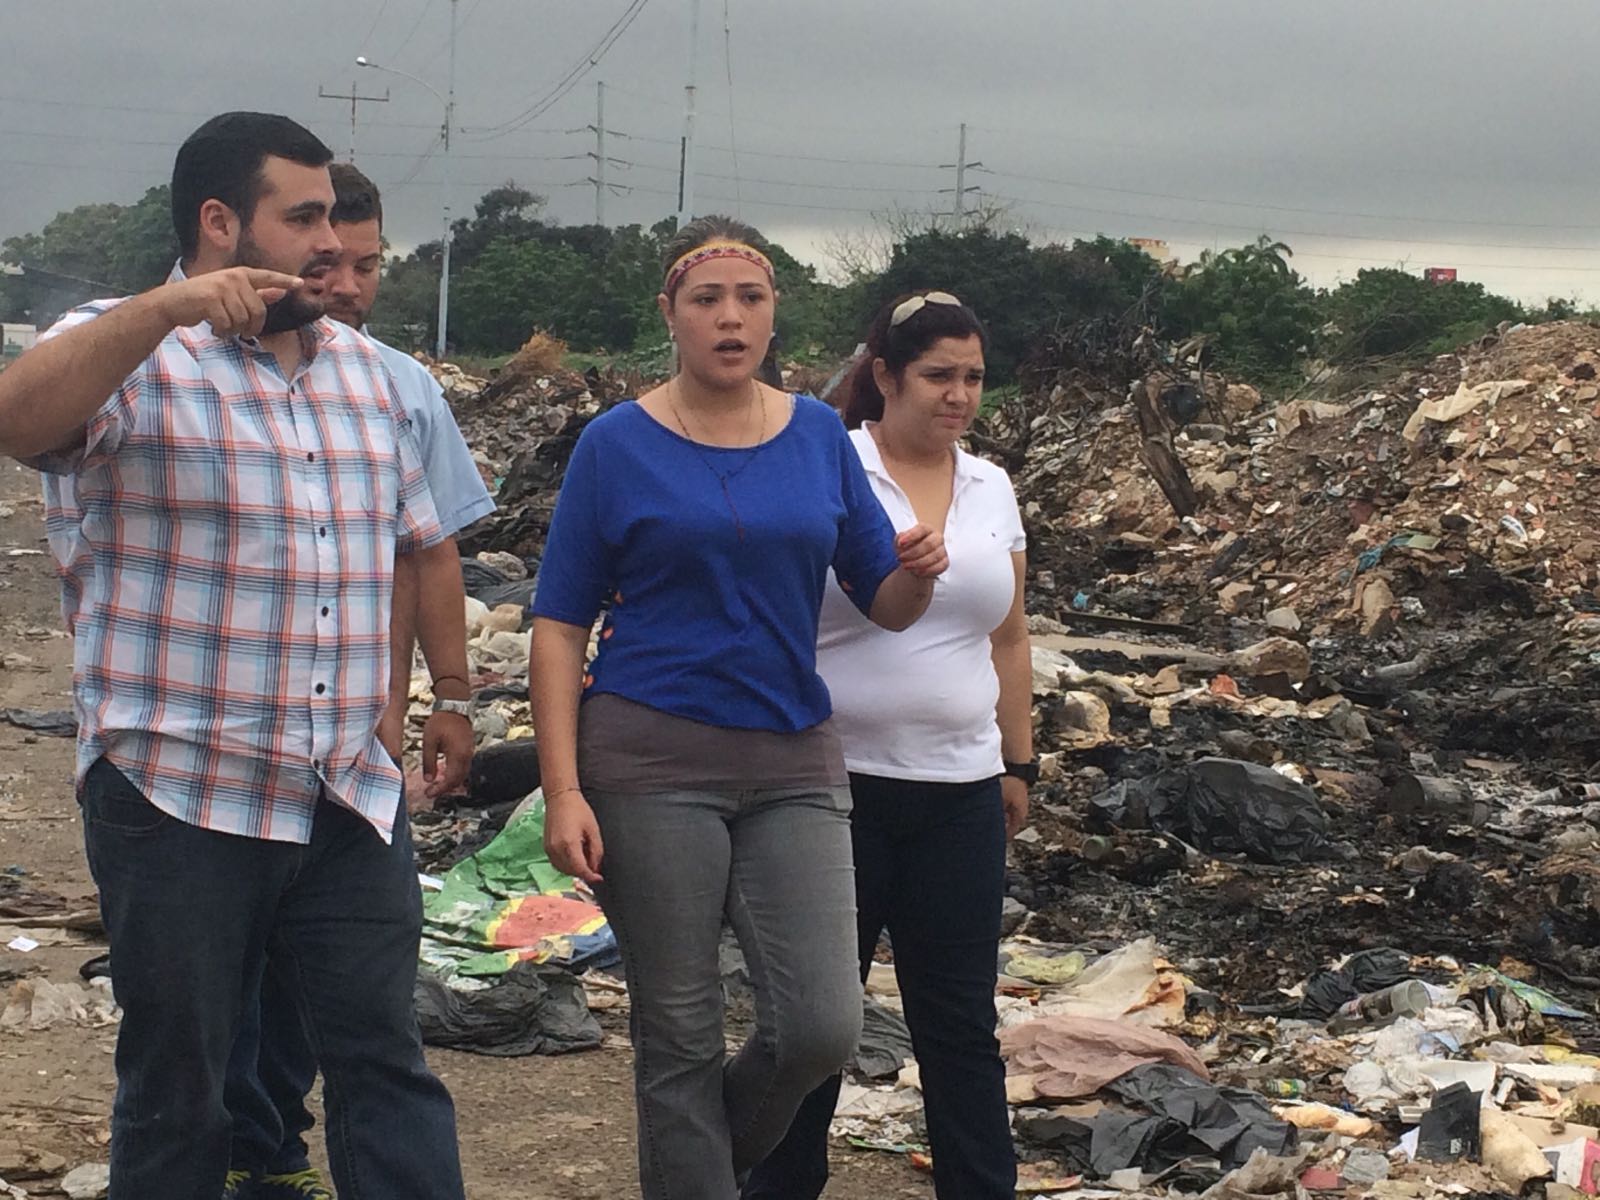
{"x": 936, "y": 723}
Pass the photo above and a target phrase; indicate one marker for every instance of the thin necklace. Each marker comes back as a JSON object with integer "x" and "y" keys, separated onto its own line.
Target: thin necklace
{"x": 726, "y": 477}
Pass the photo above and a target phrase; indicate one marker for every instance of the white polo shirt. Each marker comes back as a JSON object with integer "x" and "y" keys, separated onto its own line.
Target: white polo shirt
{"x": 920, "y": 704}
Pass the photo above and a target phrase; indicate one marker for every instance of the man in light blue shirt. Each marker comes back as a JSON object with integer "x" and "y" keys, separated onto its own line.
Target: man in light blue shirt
{"x": 273, "y": 1065}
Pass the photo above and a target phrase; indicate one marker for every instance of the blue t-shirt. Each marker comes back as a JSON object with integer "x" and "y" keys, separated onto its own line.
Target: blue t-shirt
{"x": 703, "y": 624}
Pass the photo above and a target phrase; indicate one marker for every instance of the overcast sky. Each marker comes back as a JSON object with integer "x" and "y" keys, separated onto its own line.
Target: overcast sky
{"x": 1363, "y": 132}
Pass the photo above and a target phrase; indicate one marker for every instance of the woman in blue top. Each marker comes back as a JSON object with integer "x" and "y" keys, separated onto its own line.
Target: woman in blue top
{"x": 700, "y": 778}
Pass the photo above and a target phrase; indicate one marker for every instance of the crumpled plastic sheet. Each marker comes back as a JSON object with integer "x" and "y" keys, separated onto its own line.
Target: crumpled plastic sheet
{"x": 35, "y": 1004}
{"x": 1124, "y": 985}
{"x": 1363, "y": 972}
{"x": 1263, "y": 1175}
{"x": 54, "y": 723}
{"x": 1186, "y": 1118}
{"x": 1222, "y": 805}
{"x": 1071, "y": 1057}
{"x": 534, "y": 1008}
{"x": 483, "y": 582}
{"x": 885, "y": 1042}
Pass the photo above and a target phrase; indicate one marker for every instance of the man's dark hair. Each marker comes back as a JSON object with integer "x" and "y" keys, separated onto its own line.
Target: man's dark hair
{"x": 355, "y": 197}
{"x": 222, "y": 160}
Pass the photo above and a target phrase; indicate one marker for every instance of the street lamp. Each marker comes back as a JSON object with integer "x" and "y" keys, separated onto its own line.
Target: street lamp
{"x": 449, "y": 103}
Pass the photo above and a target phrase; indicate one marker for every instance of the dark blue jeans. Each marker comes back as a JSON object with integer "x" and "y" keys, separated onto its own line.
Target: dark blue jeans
{"x": 271, "y": 1072}
{"x": 930, "y": 868}
{"x": 192, "y": 916}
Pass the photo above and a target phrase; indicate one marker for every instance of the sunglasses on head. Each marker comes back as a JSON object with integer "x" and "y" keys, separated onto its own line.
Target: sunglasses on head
{"x": 907, "y": 309}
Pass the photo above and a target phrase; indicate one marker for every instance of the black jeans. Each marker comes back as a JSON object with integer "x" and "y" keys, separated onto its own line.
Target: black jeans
{"x": 191, "y": 915}
{"x": 271, "y": 1072}
{"x": 930, "y": 868}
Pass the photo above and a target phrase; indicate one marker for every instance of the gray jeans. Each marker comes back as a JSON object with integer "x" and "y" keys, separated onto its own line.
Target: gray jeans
{"x": 777, "y": 864}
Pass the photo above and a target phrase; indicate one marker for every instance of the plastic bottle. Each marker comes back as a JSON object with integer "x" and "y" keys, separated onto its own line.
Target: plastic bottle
{"x": 1408, "y": 998}
{"x": 1287, "y": 1089}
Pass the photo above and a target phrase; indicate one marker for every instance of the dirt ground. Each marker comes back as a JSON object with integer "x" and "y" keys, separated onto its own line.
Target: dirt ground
{"x": 532, "y": 1128}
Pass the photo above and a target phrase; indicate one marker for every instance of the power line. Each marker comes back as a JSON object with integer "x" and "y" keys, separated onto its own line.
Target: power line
{"x": 794, "y": 183}
{"x": 471, "y": 12}
{"x": 568, "y": 81}
{"x": 125, "y": 108}
{"x": 438, "y": 140}
{"x": 373, "y": 28}
{"x": 1206, "y": 223}
{"x": 168, "y": 144}
{"x": 1327, "y": 212}
{"x": 849, "y": 162}
{"x": 1368, "y": 258}
{"x": 733, "y": 142}
{"x": 394, "y": 55}
{"x": 80, "y": 166}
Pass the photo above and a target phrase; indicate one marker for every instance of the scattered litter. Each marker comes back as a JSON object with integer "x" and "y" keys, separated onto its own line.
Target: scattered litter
{"x": 88, "y": 1182}
{"x": 534, "y": 1008}
{"x": 1068, "y": 1057}
{"x": 35, "y": 1004}
{"x": 57, "y": 723}
{"x": 1223, "y": 805}
{"x": 506, "y": 904}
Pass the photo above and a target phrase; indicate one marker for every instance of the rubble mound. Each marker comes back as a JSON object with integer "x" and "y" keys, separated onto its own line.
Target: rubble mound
{"x": 522, "y": 425}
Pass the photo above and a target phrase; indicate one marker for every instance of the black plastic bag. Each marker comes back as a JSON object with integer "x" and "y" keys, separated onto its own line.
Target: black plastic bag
{"x": 1187, "y": 1118}
{"x": 1367, "y": 971}
{"x": 1449, "y": 1130}
{"x": 534, "y": 1008}
{"x": 885, "y": 1042}
{"x": 1224, "y": 806}
{"x": 1109, "y": 1141}
{"x": 504, "y": 772}
{"x": 484, "y": 583}
{"x": 1229, "y": 1122}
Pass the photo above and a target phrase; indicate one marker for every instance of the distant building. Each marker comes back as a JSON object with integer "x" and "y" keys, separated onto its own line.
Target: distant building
{"x": 1440, "y": 274}
{"x": 14, "y": 339}
{"x": 1156, "y": 248}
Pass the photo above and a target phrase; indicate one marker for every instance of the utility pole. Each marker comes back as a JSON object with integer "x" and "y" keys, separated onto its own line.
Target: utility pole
{"x": 961, "y": 171}
{"x": 449, "y": 102}
{"x": 962, "y": 166}
{"x": 686, "y": 152}
{"x": 449, "y": 125}
{"x": 600, "y": 154}
{"x": 355, "y": 99}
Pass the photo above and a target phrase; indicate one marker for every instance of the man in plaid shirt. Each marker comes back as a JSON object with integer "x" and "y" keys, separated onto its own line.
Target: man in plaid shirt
{"x": 244, "y": 478}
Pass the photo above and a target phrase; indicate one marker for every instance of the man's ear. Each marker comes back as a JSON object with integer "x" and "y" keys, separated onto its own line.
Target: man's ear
{"x": 220, "y": 228}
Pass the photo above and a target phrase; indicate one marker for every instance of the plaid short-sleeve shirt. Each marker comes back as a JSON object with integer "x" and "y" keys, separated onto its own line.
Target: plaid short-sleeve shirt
{"x": 226, "y": 542}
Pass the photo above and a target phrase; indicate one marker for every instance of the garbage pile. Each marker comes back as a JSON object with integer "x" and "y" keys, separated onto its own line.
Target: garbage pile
{"x": 521, "y": 426}
{"x": 1480, "y": 465}
{"x": 1310, "y": 900}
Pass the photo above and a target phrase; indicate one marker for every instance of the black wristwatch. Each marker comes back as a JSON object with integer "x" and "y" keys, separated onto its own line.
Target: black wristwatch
{"x": 1028, "y": 772}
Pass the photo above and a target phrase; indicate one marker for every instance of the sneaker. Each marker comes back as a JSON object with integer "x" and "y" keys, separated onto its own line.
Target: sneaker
{"x": 237, "y": 1185}
{"x": 298, "y": 1185}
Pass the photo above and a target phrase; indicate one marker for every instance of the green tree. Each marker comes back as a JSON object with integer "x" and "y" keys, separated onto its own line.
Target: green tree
{"x": 407, "y": 311}
{"x": 513, "y": 288}
{"x": 1386, "y": 311}
{"x": 1255, "y": 310}
{"x": 810, "y": 311}
{"x": 87, "y": 253}
{"x": 1018, "y": 289}
{"x": 997, "y": 274}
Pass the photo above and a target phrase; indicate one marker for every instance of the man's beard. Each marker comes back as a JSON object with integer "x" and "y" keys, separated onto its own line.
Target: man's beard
{"x": 351, "y": 314}
{"x": 296, "y": 309}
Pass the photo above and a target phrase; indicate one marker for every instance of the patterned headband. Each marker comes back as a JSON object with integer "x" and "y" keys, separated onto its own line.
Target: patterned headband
{"x": 709, "y": 251}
